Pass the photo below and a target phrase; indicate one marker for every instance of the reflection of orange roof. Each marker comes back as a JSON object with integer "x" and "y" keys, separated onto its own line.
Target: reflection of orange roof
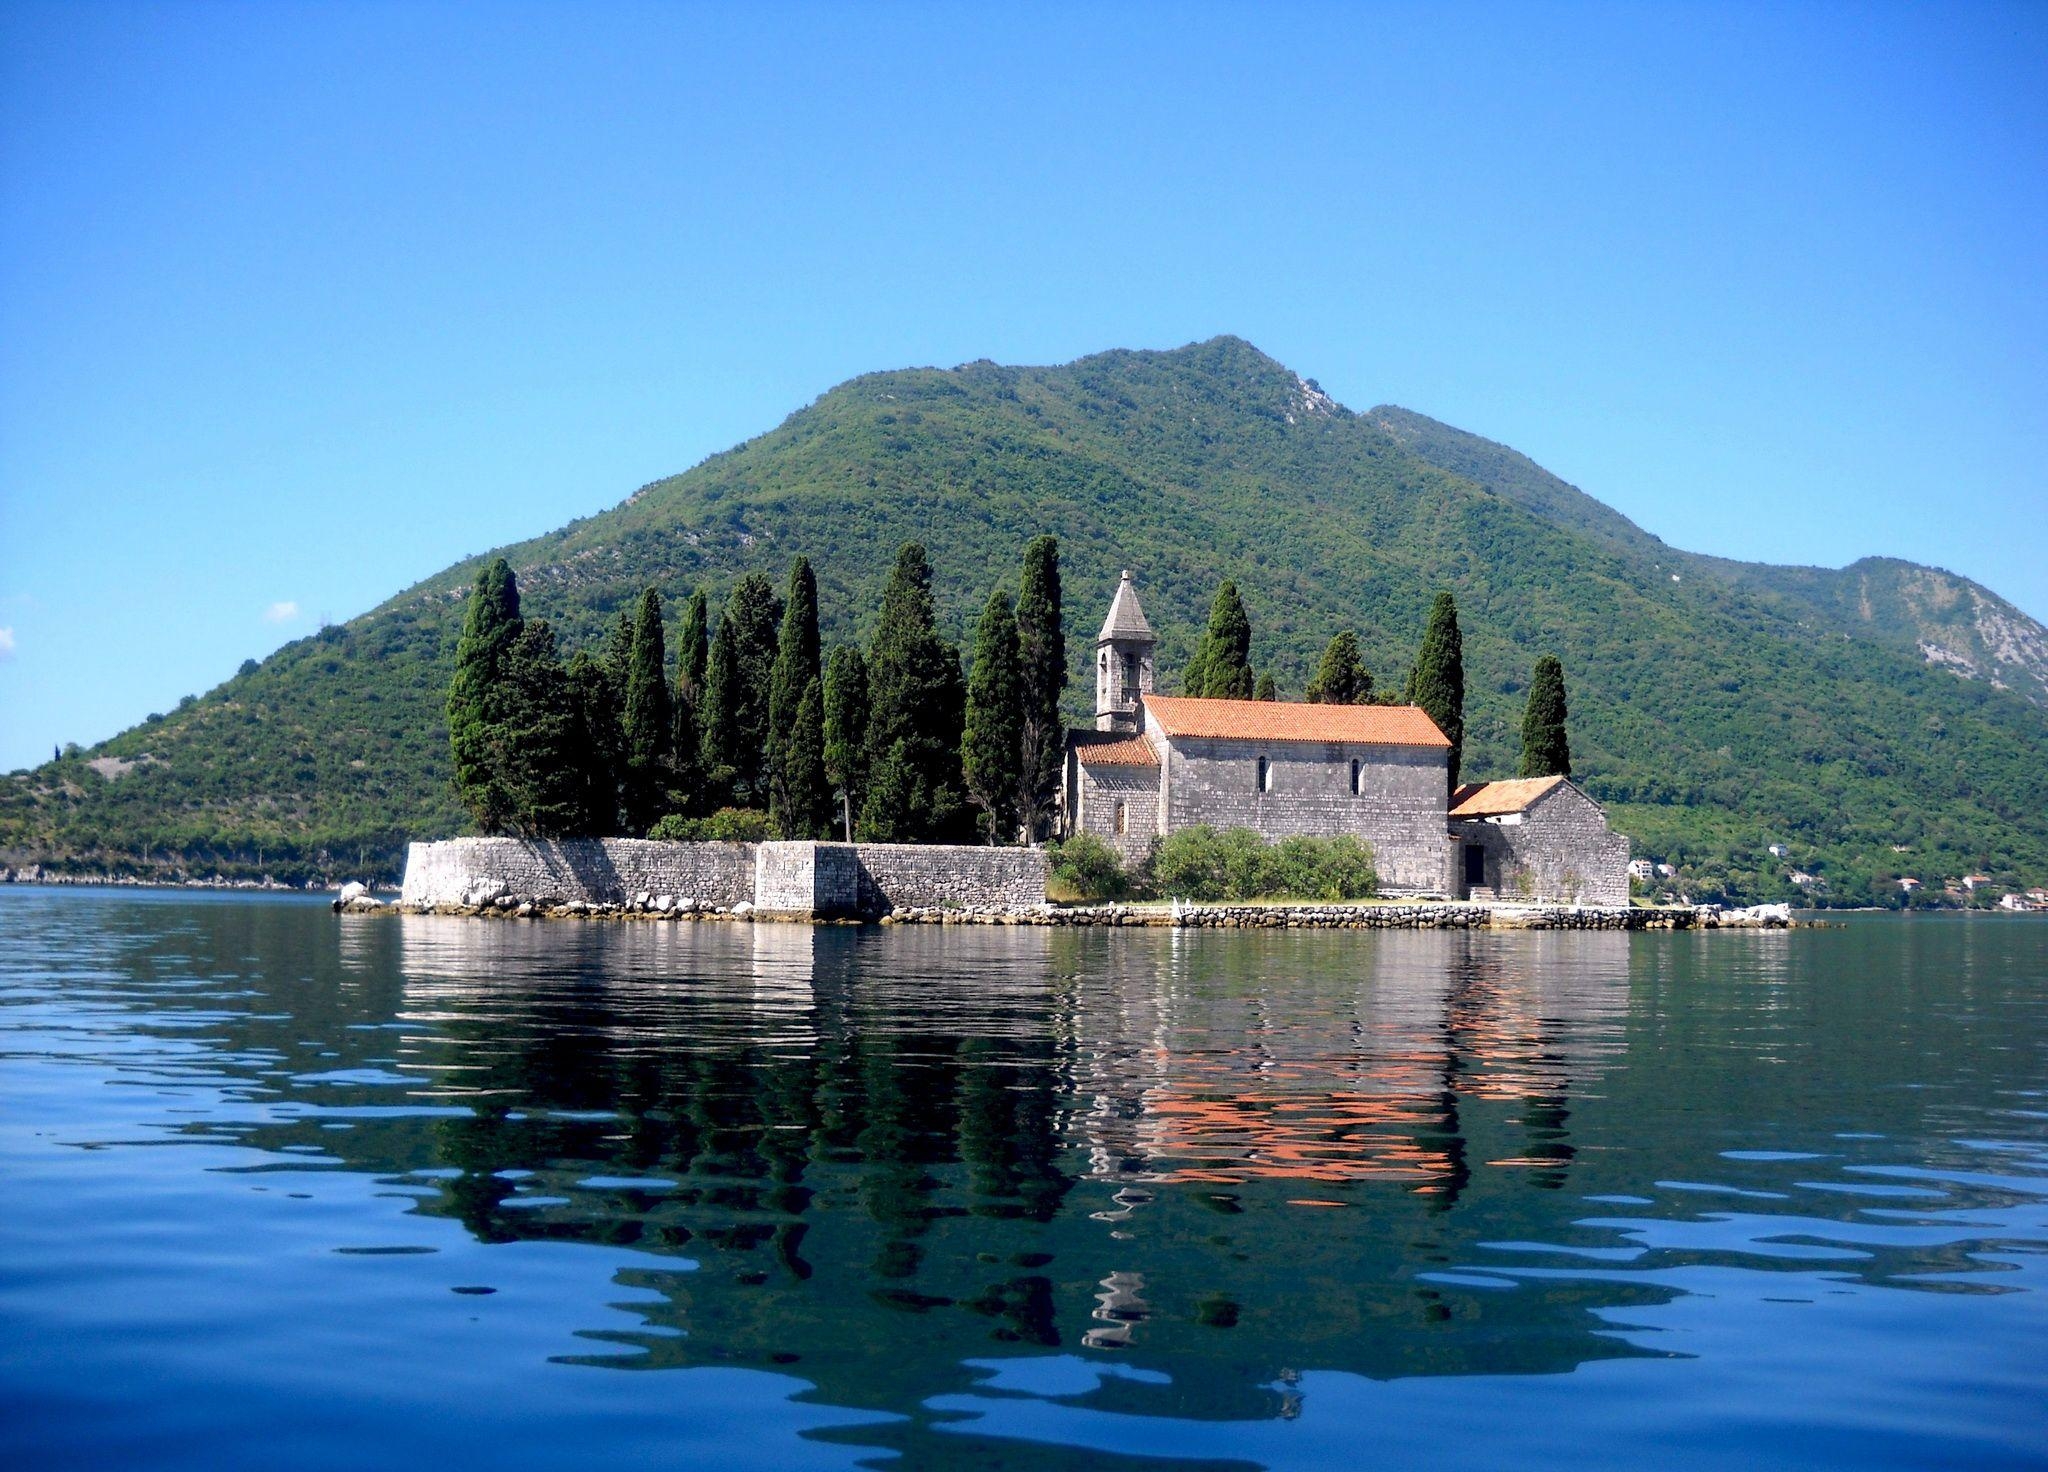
{"x": 1491, "y": 799}
{"x": 1112, "y": 749}
{"x": 1284, "y": 720}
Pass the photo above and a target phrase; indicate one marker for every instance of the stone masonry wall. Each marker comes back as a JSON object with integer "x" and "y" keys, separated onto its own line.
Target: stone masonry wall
{"x": 908, "y": 875}
{"x": 1137, "y": 788}
{"x": 790, "y": 878}
{"x": 597, "y": 870}
{"x": 1562, "y": 850}
{"x": 1399, "y": 809}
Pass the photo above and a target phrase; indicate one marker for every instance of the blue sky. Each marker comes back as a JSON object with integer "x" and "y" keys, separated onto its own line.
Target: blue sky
{"x": 298, "y": 304}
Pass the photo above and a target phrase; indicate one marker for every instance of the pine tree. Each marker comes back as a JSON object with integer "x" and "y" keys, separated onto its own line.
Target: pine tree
{"x": 1267, "y": 688}
{"x": 489, "y": 629}
{"x": 1221, "y": 668}
{"x": 914, "y": 702}
{"x": 1546, "y": 751}
{"x": 992, "y": 745}
{"x": 846, "y": 730}
{"x": 1437, "y": 683}
{"x": 796, "y": 666}
{"x": 806, "y": 809}
{"x": 600, "y": 743}
{"x": 536, "y": 718}
{"x": 1042, "y": 670}
{"x": 649, "y": 724}
{"x": 1341, "y": 678}
{"x": 694, "y": 649}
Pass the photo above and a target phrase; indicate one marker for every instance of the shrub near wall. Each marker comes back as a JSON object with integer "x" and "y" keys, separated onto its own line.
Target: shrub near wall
{"x": 1199, "y": 863}
{"x": 1085, "y": 868}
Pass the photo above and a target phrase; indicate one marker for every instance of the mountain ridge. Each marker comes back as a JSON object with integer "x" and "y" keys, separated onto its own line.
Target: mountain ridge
{"x": 1717, "y": 706}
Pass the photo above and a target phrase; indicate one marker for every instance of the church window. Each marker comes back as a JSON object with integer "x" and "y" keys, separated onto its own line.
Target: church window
{"x": 1357, "y": 777}
{"x": 1123, "y": 821}
{"x": 1265, "y": 775}
{"x": 1130, "y": 674}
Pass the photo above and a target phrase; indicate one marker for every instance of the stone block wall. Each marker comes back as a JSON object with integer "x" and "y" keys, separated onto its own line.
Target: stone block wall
{"x": 1398, "y": 811}
{"x": 600, "y": 871}
{"x": 1136, "y": 789}
{"x": 807, "y": 879}
{"x": 906, "y": 875}
{"x": 1561, "y": 851}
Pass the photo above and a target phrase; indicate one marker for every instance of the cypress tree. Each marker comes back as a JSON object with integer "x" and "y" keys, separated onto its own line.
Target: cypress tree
{"x": 889, "y": 812}
{"x": 1042, "y": 672}
{"x": 1437, "y": 683}
{"x": 992, "y": 745}
{"x": 796, "y": 666}
{"x": 1221, "y": 668}
{"x": 720, "y": 730}
{"x": 846, "y": 730}
{"x": 618, "y": 655}
{"x": 1341, "y": 678}
{"x": 914, "y": 702}
{"x": 476, "y": 741}
{"x": 1546, "y": 751}
{"x": 543, "y": 775}
{"x": 599, "y": 740}
{"x": 1267, "y": 689}
{"x": 686, "y": 792}
{"x": 694, "y": 649}
{"x": 806, "y": 807}
{"x": 648, "y": 721}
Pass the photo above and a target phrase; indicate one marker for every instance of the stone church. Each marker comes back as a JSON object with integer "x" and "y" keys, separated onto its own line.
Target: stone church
{"x": 1381, "y": 773}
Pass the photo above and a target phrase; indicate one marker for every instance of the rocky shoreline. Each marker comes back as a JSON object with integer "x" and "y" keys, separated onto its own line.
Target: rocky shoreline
{"x": 1424, "y": 915}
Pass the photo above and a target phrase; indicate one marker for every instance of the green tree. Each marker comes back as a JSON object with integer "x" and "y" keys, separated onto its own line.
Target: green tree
{"x": 1221, "y": 668}
{"x": 649, "y": 723}
{"x": 1042, "y": 670}
{"x": 736, "y": 691}
{"x": 693, "y": 651}
{"x": 806, "y": 801}
{"x": 1546, "y": 752}
{"x": 795, "y": 668}
{"x": 1341, "y": 678}
{"x": 1267, "y": 688}
{"x": 475, "y": 739}
{"x": 618, "y": 655}
{"x": 914, "y": 709}
{"x": 992, "y": 745}
{"x": 1437, "y": 683}
{"x": 846, "y": 729}
{"x": 599, "y": 742}
{"x": 536, "y": 721}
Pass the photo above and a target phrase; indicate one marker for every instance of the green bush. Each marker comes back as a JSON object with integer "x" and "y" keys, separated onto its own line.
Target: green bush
{"x": 727, "y": 825}
{"x": 1085, "y": 868}
{"x": 1201, "y": 864}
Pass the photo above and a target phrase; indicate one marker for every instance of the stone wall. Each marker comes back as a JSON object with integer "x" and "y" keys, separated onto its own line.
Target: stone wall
{"x": 910, "y": 875}
{"x": 1102, "y": 789}
{"x": 1398, "y": 809}
{"x": 1562, "y": 850}
{"x": 596, "y": 870}
{"x": 795, "y": 879}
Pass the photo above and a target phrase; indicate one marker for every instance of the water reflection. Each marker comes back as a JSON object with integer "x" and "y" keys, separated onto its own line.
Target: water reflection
{"x": 1069, "y": 1183}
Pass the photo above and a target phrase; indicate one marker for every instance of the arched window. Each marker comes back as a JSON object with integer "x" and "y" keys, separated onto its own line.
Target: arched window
{"x": 1357, "y": 776}
{"x": 1123, "y": 822}
{"x": 1265, "y": 775}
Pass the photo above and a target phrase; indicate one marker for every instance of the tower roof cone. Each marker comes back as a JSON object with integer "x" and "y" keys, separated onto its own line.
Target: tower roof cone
{"x": 1126, "y": 620}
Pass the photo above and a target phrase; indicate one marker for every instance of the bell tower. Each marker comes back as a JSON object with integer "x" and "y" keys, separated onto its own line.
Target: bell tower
{"x": 1123, "y": 660}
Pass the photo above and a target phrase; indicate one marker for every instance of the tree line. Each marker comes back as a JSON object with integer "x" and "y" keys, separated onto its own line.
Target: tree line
{"x": 749, "y": 732}
{"x": 1221, "y": 669}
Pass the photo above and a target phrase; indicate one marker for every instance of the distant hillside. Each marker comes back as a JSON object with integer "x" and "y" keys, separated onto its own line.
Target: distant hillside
{"x": 1718, "y": 706}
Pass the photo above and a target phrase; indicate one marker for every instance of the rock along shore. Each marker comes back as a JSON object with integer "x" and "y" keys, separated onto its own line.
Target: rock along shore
{"x": 1422, "y": 915}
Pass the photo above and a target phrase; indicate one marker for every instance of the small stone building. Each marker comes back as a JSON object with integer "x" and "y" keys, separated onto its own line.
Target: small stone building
{"x": 1536, "y": 838}
{"x": 1157, "y": 763}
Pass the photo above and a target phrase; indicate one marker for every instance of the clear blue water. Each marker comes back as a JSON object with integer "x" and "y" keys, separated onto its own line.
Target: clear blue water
{"x": 285, "y": 1189}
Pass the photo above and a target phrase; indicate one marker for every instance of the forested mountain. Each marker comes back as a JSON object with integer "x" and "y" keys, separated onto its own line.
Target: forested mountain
{"x": 1861, "y": 716}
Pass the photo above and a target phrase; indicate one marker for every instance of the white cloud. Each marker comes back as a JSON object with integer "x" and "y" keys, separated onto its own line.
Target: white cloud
{"x": 281, "y": 613}
{"x": 6, "y": 643}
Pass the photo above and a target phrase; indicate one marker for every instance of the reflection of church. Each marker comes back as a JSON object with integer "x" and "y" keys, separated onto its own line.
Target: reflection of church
{"x": 1155, "y": 764}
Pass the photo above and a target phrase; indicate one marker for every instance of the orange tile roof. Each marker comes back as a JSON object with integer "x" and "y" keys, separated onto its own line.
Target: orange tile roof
{"x": 1491, "y": 799}
{"x": 1285, "y": 720}
{"x": 1114, "y": 749}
